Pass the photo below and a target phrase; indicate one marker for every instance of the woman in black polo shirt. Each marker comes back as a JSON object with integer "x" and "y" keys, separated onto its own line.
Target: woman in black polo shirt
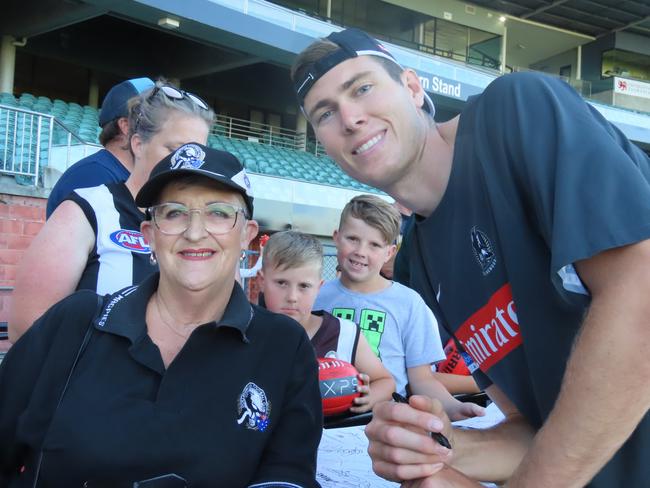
{"x": 178, "y": 377}
{"x": 92, "y": 241}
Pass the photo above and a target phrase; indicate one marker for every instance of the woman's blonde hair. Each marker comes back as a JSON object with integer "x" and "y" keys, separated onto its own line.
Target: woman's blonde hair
{"x": 150, "y": 109}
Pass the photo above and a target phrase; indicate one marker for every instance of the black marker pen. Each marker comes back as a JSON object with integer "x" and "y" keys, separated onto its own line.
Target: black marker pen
{"x": 442, "y": 440}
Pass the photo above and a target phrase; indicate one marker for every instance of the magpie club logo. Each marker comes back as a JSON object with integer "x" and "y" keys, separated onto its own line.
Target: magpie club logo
{"x": 189, "y": 156}
{"x": 483, "y": 250}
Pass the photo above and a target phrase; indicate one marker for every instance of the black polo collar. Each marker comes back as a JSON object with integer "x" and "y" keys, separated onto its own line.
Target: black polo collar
{"x": 124, "y": 311}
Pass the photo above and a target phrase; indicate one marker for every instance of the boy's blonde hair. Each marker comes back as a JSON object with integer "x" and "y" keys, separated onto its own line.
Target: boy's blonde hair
{"x": 291, "y": 249}
{"x": 375, "y": 212}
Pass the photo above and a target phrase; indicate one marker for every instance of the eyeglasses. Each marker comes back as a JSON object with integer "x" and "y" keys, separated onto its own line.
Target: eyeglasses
{"x": 178, "y": 94}
{"x": 175, "y": 218}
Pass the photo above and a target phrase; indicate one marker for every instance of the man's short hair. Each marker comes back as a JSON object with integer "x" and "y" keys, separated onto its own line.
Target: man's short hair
{"x": 325, "y": 54}
{"x": 321, "y": 48}
{"x": 109, "y": 132}
{"x": 375, "y": 212}
{"x": 290, "y": 249}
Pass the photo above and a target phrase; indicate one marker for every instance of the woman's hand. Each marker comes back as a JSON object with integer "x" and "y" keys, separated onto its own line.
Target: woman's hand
{"x": 362, "y": 403}
{"x": 401, "y": 446}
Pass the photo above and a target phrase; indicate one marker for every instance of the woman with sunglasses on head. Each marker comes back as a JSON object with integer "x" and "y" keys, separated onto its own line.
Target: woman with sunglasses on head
{"x": 178, "y": 378}
{"x": 93, "y": 241}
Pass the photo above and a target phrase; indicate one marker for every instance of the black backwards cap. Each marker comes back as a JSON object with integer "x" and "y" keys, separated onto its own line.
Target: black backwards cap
{"x": 197, "y": 159}
{"x": 352, "y": 43}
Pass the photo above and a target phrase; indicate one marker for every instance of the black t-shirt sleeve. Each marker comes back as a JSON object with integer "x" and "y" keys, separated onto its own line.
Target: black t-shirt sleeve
{"x": 401, "y": 266}
{"x": 585, "y": 185}
{"x": 290, "y": 457}
{"x": 326, "y": 337}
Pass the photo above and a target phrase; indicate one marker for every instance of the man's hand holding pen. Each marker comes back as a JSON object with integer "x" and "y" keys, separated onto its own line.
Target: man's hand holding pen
{"x": 401, "y": 443}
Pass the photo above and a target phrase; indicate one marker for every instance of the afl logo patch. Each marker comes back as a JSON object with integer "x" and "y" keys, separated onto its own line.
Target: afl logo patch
{"x": 483, "y": 250}
{"x": 131, "y": 240}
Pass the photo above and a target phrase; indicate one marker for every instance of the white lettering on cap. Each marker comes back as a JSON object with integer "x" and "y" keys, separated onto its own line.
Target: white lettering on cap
{"x": 242, "y": 180}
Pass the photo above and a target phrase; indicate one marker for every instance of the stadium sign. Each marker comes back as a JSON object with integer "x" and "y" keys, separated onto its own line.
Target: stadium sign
{"x": 633, "y": 88}
{"x": 440, "y": 85}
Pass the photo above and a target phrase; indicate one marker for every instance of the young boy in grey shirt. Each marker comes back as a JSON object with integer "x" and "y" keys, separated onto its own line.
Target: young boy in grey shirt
{"x": 398, "y": 325}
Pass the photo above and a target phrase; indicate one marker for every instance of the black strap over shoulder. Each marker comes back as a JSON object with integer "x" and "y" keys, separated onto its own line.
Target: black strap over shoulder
{"x": 82, "y": 348}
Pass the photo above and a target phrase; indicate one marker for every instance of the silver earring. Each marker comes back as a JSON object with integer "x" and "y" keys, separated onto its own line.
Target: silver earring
{"x": 242, "y": 256}
{"x": 152, "y": 259}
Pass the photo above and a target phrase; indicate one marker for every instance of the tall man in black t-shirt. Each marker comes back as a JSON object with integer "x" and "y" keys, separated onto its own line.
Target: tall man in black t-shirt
{"x": 531, "y": 242}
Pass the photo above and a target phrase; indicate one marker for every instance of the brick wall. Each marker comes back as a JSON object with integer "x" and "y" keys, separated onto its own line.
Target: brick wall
{"x": 252, "y": 287}
{"x": 21, "y": 217}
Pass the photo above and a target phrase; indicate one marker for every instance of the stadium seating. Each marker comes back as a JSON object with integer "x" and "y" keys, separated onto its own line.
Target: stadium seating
{"x": 82, "y": 121}
{"x": 286, "y": 163}
{"x": 20, "y": 138}
{"x": 279, "y": 159}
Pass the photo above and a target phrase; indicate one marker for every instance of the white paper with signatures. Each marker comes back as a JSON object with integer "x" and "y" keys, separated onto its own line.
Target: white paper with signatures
{"x": 343, "y": 459}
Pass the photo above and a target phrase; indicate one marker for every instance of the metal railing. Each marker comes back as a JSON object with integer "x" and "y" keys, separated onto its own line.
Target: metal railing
{"x": 31, "y": 141}
{"x": 67, "y": 147}
{"x": 22, "y": 136}
{"x": 315, "y": 25}
{"x": 271, "y": 135}
{"x": 583, "y": 87}
{"x": 233, "y": 128}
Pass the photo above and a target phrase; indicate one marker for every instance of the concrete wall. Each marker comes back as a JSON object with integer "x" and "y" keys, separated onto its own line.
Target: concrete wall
{"x": 553, "y": 64}
{"x": 633, "y": 43}
{"x": 631, "y": 102}
{"x": 592, "y": 56}
{"x": 482, "y": 18}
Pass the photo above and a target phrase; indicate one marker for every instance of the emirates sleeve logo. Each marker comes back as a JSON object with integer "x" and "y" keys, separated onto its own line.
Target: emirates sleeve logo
{"x": 492, "y": 332}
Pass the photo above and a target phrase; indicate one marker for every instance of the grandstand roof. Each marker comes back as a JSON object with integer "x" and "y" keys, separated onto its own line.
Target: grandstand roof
{"x": 596, "y": 18}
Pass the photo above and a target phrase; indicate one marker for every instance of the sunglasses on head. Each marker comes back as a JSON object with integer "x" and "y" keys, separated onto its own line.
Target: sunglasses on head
{"x": 178, "y": 94}
{"x": 172, "y": 93}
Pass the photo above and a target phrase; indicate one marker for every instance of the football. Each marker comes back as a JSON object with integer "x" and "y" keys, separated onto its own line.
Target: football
{"x": 454, "y": 363}
{"x": 338, "y": 385}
